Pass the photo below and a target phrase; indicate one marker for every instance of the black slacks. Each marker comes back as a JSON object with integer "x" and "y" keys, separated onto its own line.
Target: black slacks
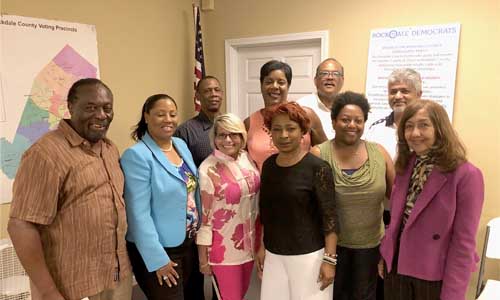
{"x": 184, "y": 255}
{"x": 380, "y": 282}
{"x": 356, "y": 274}
{"x": 194, "y": 289}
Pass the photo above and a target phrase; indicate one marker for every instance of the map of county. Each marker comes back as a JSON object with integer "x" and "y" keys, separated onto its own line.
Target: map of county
{"x": 45, "y": 105}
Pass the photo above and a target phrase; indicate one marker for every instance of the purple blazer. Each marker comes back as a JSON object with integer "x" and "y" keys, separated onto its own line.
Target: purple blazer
{"x": 439, "y": 238}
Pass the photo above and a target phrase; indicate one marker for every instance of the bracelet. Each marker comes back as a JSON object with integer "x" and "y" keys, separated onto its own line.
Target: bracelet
{"x": 330, "y": 255}
{"x": 330, "y": 261}
{"x": 329, "y": 258}
{"x": 204, "y": 265}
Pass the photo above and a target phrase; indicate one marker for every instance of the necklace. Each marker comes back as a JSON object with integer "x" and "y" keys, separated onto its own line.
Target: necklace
{"x": 167, "y": 149}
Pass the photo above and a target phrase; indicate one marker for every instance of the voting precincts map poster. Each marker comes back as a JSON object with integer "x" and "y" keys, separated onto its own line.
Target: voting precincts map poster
{"x": 431, "y": 50}
{"x": 40, "y": 59}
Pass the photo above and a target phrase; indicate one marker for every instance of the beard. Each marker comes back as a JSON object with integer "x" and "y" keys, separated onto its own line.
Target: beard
{"x": 399, "y": 109}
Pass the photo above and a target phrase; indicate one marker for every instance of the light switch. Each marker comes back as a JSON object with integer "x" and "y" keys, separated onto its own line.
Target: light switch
{"x": 207, "y": 5}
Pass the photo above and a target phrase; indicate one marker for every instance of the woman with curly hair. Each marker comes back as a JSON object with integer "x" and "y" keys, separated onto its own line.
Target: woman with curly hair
{"x": 363, "y": 176}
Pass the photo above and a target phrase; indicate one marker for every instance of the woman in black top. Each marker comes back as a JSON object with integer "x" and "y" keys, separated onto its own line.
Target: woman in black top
{"x": 297, "y": 208}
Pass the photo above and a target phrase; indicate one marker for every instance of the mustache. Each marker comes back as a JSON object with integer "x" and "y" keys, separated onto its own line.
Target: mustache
{"x": 104, "y": 123}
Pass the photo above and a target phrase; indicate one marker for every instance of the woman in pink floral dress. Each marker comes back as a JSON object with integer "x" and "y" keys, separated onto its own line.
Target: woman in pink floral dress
{"x": 229, "y": 183}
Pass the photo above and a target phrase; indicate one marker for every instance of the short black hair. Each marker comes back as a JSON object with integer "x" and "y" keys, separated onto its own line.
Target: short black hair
{"x": 347, "y": 98}
{"x": 273, "y": 65}
{"x": 203, "y": 79}
{"x": 73, "y": 90}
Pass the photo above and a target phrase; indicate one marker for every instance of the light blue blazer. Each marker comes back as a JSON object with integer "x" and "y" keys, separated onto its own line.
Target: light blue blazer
{"x": 156, "y": 199}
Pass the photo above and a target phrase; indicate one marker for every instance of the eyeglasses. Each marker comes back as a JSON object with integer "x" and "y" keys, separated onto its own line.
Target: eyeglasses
{"x": 323, "y": 74}
{"x": 232, "y": 136}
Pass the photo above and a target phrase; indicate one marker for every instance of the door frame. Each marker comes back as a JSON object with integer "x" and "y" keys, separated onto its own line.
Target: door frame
{"x": 233, "y": 46}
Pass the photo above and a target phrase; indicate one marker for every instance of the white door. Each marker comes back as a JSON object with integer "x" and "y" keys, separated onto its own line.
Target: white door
{"x": 243, "y": 83}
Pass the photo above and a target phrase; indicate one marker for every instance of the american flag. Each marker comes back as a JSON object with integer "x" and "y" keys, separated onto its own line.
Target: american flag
{"x": 199, "y": 66}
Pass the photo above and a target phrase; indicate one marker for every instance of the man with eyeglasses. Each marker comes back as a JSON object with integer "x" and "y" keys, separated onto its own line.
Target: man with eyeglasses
{"x": 328, "y": 80}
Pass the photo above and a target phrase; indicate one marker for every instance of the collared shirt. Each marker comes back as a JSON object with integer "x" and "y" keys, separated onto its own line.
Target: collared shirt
{"x": 385, "y": 133}
{"x": 195, "y": 133}
{"x": 324, "y": 113}
{"x": 73, "y": 190}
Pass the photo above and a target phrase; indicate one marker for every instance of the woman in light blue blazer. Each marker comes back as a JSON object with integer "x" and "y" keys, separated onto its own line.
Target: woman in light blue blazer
{"x": 162, "y": 202}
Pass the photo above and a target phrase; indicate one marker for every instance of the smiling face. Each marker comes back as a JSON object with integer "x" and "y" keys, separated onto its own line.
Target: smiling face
{"x": 349, "y": 124}
{"x": 329, "y": 79}
{"x": 210, "y": 95}
{"x": 162, "y": 120}
{"x": 274, "y": 88}
{"x": 227, "y": 142}
{"x": 286, "y": 133}
{"x": 420, "y": 134}
{"x": 401, "y": 94}
{"x": 91, "y": 112}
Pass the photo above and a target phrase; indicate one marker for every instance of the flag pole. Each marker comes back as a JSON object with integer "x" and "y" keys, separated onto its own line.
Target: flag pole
{"x": 199, "y": 67}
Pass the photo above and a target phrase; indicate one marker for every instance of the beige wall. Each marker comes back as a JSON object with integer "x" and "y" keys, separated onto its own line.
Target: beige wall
{"x": 477, "y": 102}
{"x": 146, "y": 47}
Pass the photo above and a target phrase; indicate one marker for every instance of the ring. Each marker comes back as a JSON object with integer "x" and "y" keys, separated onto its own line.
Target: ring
{"x": 165, "y": 277}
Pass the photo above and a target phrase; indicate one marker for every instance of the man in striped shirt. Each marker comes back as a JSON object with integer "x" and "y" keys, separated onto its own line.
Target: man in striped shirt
{"x": 67, "y": 219}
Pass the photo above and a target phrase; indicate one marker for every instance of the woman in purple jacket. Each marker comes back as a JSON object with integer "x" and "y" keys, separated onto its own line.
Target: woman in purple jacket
{"x": 428, "y": 251}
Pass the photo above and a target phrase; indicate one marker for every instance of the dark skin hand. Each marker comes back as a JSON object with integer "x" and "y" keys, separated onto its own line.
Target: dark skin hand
{"x": 168, "y": 274}
{"x": 326, "y": 275}
{"x": 327, "y": 271}
{"x": 28, "y": 244}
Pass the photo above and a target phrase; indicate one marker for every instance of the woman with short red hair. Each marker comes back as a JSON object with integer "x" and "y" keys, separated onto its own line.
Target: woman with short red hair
{"x": 297, "y": 207}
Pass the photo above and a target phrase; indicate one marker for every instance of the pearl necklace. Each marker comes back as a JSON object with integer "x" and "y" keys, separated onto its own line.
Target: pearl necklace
{"x": 167, "y": 149}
